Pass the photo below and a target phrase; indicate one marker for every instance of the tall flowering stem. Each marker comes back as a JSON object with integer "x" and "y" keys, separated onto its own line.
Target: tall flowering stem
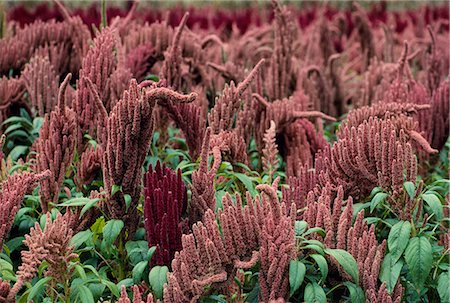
{"x": 211, "y": 256}
{"x": 125, "y": 134}
{"x": 165, "y": 202}
{"x": 52, "y": 245}
{"x": 56, "y": 147}
{"x": 12, "y": 193}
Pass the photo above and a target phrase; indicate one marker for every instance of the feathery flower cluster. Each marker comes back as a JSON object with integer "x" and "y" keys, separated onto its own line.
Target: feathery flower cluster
{"x": 41, "y": 82}
{"x": 211, "y": 257}
{"x": 125, "y": 137}
{"x": 270, "y": 151}
{"x": 376, "y": 152}
{"x": 203, "y": 193}
{"x": 137, "y": 296}
{"x": 331, "y": 213}
{"x": 52, "y": 245}
{"x": 56, "y": 147}
{"x": 12, "y": 193}
{"x": 165, "y": 202}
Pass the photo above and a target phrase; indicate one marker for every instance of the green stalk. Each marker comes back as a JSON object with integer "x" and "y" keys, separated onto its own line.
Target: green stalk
{"x": 104, "y": 19}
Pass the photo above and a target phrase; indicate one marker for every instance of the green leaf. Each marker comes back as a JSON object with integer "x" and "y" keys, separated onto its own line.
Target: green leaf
{"x": 356, "y": 293}
{"x": 418, "y": 256}
{"x": 127, "y": 282}
{"x": 410, "y": 189}
{"x": 89, "y": 205}
{"x": 435, "y": 204}
{"x": 379, "y": 197}
{"x": 443, "y": 286}
{"x": 80, "y": 238}
{"x": 314, "y": 293}
{"x": 127, "y": 199}
{"x": 315, "y": 247}
{"x": 98, "y": 226}
{"x": 300, "y": 227}
{"x": 37, "y": 288}
{"x": 150, "y": 253}
{"x": 80, "y": 270}
{"x": 390, "y": 271}
{"x": 111, "y": 230}
{"x": 318, "y": 230}
{"x": 112, "y": 287}
{"x": 84, "y": 294}
{"x": 138, "y": 270}
{"x": 297, "y": 272}
{"x": 76, "y": 202}
{"x": 247, "y": 183}
{"x": 323, "y": 265}
{"x": 115, "y": 189}
{"x": 17, "y": 151}
{"x": 137, "y": 251}
{"x": 346, "y": 260}
{"x": 5, "y": 267}
{"x": 398, "y": 239}
{"x": 157, "y": 278}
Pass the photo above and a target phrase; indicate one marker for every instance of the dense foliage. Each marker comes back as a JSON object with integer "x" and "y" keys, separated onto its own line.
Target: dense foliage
{"x": 269, "y": 156}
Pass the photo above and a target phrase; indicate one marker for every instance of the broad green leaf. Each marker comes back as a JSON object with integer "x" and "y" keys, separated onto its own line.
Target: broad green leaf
{"x": 127, "y": 282}
{"x": 300, "y": 227}
{"x": 247, "y": 183}
{"x": 98, "y": 226}
{"x": 398, "y": 239}
{"x": 138, "y": 270}
{"x": 314, "y": 293}
{"x": 150, "y": 253}
{"x": 390, "y": 271}
{"x": 84, "y": 294}
{"x": 356, "y": 293}
{"x": 76, "y": 202}
{"x": 115, "y": 189}
{"x": 111, "y": 230}
{"x": 410, "y": 189}
{"x": 323, "y": 265}
{"x": 157, "y": 278}
{"x": 80, "y": 238}
{"x": 318, "y": 230}
{"x": 127, "y": 199}
{"x": 443, "y": 287}
{"x": 137, "y": 251}
{"x": 435, "y": 204}
{"x": 379, "y": 197}
{"x": 14, "y": 243}
{"x": 418, "y": 256}
{"x": 80, "y": 270}
{"x": 297, "y": 272}
{"x": 89, "y": 205}
{"x": 17, "y": 151}
{"x": 315, "y": 247}
{"x": 112, "y": 287}
{"x": 346, "y": 260}
{"x": 37, "y": 288}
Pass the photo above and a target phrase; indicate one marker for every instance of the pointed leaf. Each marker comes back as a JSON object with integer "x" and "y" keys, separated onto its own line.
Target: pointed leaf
{"x": 443, "y": 286}
{"x": 379, "y": 197}
{"x": 323, "y": 265}
{"x": 390, "y": 271}
{"x": 418, "y": 256}
{"x": 297, "y": 272}
{"x": 314, "y": 293}
{"x": 346, "y": 260}
{"x": 398, "y": 239}
{"x": 157, "y": 278}
{"x": 356, "y": 293}
{"x": 435, "y": 205}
